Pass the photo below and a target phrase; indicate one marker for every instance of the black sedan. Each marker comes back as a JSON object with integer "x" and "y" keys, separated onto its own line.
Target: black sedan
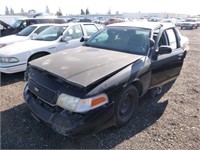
{"x": 98, "y": 85}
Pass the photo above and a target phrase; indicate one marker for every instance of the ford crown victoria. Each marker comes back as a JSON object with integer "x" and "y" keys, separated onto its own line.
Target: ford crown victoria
{"x": 99, "y": 84}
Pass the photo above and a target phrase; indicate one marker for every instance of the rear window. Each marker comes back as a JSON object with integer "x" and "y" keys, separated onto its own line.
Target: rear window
{"x": 45, "y": 21}
{"x": 59, "y": 21}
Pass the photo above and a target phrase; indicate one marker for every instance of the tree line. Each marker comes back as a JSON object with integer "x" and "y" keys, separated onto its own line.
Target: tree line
{"x": 47, "y": 10}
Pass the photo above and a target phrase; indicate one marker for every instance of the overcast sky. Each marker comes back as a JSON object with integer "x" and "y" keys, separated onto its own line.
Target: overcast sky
{"x": 102, "y": 6}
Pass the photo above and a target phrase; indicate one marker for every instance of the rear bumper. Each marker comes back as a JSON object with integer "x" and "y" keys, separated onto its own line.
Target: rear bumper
{"x": 67, "y": 123}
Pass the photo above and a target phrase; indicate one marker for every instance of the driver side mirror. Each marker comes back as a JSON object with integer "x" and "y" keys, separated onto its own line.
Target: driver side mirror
{"x": 84, "y": 39}
{"x": 164, "y": 50}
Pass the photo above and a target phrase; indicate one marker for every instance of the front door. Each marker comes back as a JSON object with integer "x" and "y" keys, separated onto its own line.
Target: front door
{"x": 167, "y": 66}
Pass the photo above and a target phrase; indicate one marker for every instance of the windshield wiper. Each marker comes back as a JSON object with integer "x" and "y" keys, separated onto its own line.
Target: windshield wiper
{"x": 39, "y": 39}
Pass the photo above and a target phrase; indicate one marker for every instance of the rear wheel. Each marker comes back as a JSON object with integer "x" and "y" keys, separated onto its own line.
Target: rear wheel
{"x": 125, "y": 105}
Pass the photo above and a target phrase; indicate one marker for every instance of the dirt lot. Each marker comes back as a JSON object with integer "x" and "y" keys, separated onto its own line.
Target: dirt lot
{"x": 170, "y": 121}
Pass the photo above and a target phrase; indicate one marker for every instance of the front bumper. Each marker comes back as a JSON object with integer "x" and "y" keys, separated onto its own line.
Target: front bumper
{"x": 187, "y": 26}
{"x": 13, "y": 69}
{"x": 68, "y": 123}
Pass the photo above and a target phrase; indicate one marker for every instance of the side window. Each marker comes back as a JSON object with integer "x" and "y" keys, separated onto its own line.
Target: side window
{"x": 163, "y": 40}
{"x": 59, "y": 21}
{"x": 30, "y": 22}
{"x": 74, "y": 32}
{"x": 44, "y": 21}
{"x": 40, "y": 29}
{"x": 172, "y": 38}
{"x": 23, "y": 24}
{"x": 90, "y": 29}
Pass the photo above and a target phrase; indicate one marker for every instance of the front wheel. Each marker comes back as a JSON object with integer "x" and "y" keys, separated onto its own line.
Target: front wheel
{"x": 125, "y": 105}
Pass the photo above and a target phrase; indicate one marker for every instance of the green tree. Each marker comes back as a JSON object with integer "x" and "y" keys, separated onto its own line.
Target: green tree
{"x": 59, "y": 12}
{"x": 7, "y": 11}
{"x": 109, "y": 12}
{"x": 47, "y": 9}
{"x": 87, "y": 11}
{"x": 22, "y": 10}
{"x": 82, "y": 12}
{"x": 11, "y": 11}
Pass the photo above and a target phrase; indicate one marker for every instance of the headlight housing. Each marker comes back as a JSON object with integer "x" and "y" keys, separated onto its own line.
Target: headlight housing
{"x": 8, "y": 59}
{"x": 2, "y": 45}
{"x": 76, "y": 104}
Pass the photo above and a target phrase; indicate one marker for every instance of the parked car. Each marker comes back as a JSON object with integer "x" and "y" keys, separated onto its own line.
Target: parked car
{"x": 170, "y": 20}
{"x": 25, "y": 34}
{"x": 14, "y": 57}
{"x": 5, "y": 29}
{"x": 20, "y": 24}
{"x": 113, "y": 20}
{"x": 85, "y": 20}
{"x": 98, "y": 85}
{"x": 189, "y": 23}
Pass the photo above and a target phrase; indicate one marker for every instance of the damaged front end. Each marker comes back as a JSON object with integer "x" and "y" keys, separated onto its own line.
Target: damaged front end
{"x": 42, "y": 94}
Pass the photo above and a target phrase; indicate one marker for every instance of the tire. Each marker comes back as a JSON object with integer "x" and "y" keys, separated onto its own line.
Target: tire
{"x": 125, "y": 105}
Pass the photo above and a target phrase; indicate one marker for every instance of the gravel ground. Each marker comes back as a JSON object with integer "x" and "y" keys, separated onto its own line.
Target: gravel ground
{"x": 169, "y": 121}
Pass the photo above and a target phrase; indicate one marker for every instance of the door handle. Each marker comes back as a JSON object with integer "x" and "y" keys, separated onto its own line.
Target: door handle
{"x": 52, "y": 47}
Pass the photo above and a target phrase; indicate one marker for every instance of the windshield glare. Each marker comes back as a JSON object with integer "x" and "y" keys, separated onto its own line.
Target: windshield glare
{"x": 128, "y": 40}
{"x": 27, "y": 31}
{"x": 51, "y": 33}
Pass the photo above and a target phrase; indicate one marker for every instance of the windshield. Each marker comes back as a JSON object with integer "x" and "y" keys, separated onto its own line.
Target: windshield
{"x": 51, "y": 33}
{"x": 27, "y": 31}
{"x": 17, "y": 23}
{"x": 128, "y": 40}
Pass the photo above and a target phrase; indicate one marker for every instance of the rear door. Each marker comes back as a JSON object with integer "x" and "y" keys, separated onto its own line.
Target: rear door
{"x": 168, "y": 66}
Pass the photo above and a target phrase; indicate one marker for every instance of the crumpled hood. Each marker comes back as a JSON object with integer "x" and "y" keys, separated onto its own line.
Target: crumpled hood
{"x": 12, "y": 38}
{"x": 23, "y": 46}
{"x": 84, "y": 65}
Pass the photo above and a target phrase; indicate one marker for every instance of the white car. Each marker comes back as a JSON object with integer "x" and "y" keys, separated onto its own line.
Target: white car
{"x": 25, "y": 34}
{"x": 14, "y": 57}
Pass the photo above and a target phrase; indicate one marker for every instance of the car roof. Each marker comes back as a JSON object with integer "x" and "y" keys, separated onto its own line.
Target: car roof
{"x": 146, "y": 25}
{"x": 73, "y": 23}
{"x": 39, "y": 18}
{"x": 43, "y": 24}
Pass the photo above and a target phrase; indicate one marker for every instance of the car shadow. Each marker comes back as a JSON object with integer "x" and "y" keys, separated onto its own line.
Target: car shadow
{"x": 19, "y": 130}
{"x": 6, "y": 79}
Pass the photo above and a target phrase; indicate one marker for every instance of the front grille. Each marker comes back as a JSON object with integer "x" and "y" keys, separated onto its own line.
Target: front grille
{"x": 43, "y": 92}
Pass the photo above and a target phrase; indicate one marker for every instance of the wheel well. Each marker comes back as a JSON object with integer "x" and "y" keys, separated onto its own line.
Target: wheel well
{"x": 139, "y": 87}
{"x": 37, "y": 55}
